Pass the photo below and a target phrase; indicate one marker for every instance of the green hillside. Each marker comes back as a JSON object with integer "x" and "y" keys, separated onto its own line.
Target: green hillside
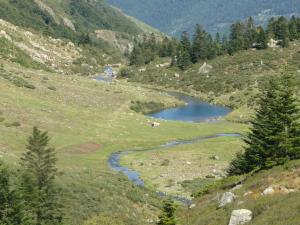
{"x": 278, "y": 207}
{"x": 174, "y": 17}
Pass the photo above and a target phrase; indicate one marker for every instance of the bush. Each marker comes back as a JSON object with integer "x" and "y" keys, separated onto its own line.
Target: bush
{"x": 13, "y": 124}
{"x": 124, "y": 72}
{"x": 1, "y": 119}
{"x": 52, "y": 88}
{"x": 146, "y": 107}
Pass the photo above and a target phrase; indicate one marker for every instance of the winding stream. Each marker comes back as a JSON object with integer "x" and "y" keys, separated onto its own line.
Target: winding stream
{"x": 195, "y": 110}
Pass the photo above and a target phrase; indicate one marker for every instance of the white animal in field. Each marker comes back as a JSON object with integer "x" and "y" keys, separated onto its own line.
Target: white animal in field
{"x": 155, "y": 124}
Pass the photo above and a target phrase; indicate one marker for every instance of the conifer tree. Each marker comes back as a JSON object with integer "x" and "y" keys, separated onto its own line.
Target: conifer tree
{"x": 38, "y": 187}
{"x": 250, "y": 33}
{"x": 199, "y": 46}
{"x": 274, "y": 136}
{"x": 236, "y": 42}
{"x": 293, "y": 29}
{"x": 262, "y": 39}
{"x": 11, "y": 207}
{"x": 218, "y": 44}
{"x": 167, "y": 216}
{"x": 136, "y": 56}
{"x": 183, "y": 52}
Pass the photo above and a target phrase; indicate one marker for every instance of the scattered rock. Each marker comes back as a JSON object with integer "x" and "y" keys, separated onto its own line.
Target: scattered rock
{"x": 240, "y": 216}
{"x": 5, "y": 35}
{"x": 205, "y": 68}
{"x": 176, "y": 75}
{"x": 273, "y": 43}
{"x": 215, "y": 157}
{"x": 226, "y": 198}
{"x": 268, "y": 191}
{"x": 68, "y": 23}
{"x": 237, "y": 187}
{"x": 248, "y": 193}
{"x": 192, "y": 206}
{"x": 163, "y": 65}
{"x": 189, "y": 163}
{"x": 285, "y": 190}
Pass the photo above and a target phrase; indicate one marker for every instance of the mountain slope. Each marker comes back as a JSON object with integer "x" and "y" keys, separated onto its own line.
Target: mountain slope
{"x": 175, "y": 16}
{"x": 72, "y": 36}
{"x": 272, "y": 196}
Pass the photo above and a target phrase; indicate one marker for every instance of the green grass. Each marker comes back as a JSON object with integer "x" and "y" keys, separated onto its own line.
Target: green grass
{"x": 78, "y": 115}
{"x": 273, "y": 209}
{"x": 166, "y": 169}
{"x": 233, "y": 80}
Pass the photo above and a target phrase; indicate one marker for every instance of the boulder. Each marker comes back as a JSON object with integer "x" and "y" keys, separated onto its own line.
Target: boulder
{"x": 226, "y": 198}
{"x": 192, "y": 206}
{"x": 205, "y": 68}
{"x": 240, "y": 216}
{"x": 268, "y": 191}
{"x": 248, "y": 193}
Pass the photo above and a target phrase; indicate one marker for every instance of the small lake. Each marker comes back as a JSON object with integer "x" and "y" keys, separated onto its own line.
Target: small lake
{"x": 195, "y": 110}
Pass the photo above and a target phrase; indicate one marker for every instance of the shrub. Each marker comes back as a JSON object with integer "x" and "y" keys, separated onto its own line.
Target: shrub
{"x": 52, "y": 88}
{"x": 13, "y": 124}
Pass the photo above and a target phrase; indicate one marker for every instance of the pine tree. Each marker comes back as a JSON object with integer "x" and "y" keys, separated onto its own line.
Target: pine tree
{"x": 288, "y": 116}
{"x": 38, "y": 181}
{"x": 167, "y": 216}
{"x": 183, "y": 52}
{"x": 281, "y": 31}
{"x": 237, "y": 41}
{"x": 183, "y": 58}
{"x": 136, "y": 57}
{"x": 274, "y": 135}
{"x": 293, "y": 29}
{"x": 11, "y": 207}
{"x": 218, "y": 44}
{"x": 250, "y": 33}
{"x": 199, "y": 46}
{"x": 262, "y": 39}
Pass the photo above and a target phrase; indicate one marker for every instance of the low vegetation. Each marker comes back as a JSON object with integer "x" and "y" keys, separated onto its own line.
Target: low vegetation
{"x": 146, "y": 107}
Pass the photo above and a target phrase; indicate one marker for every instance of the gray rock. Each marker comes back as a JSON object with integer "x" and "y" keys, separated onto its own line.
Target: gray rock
{"x": 268, "y": 191}
{"x": 248, "y": 193}
{"x": 192, "y": 206}
{"x": 240, "y": 216}
{"x": 205, "y": 68}
{"x": 226, "y": 198}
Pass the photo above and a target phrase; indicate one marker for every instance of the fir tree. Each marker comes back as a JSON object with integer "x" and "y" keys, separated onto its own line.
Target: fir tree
{"x": 293, "y": 29}
{"x": 199, "y": 46}
{"x": 137, "y": 57}
{"x": 237, "y": 41}
{"x": 218, "y": 44}
{"x": 38, "y": 181}
{"x": 262, "y": 39}
{"x": 183, "y": 52}
{"x": 274, "y": 135}
{"x": 167, "y": 216}
{"x": 250, "y": 33}
{"x": 11, "y": 206}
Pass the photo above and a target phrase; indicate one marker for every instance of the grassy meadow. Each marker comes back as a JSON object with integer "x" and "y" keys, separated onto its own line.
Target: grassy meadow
{"x": 87, "y": 121}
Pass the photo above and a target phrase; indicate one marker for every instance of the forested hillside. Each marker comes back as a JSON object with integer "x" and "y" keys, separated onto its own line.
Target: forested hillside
{"x": 175, "y": 16}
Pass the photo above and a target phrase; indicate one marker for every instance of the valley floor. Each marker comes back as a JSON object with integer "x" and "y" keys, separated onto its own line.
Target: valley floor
{"x": 88, "y": 120}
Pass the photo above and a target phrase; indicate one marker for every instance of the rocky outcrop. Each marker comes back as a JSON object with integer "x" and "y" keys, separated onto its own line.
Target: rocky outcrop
{"x": 226, "y": 198}
{"x": 68, "y": 23}
{"x": 240, "y": 216}
{"x": 205, "y": 68}
{"x": 269, "y": 191}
